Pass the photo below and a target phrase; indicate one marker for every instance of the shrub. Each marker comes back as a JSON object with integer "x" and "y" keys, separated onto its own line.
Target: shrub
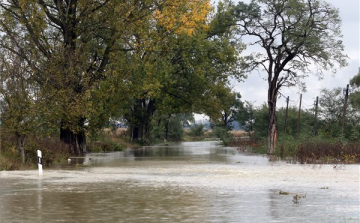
{"x": 53, "y": 151}
{"x": 197, "y": 130}
{"x": 107, "y": 142}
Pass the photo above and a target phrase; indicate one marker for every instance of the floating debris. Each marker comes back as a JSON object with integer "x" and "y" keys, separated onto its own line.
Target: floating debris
{"x": 297, "y": 197}
{"x": 283, "y": 193}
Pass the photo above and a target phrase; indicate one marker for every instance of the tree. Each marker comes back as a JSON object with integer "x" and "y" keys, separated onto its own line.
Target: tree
{"x": 297, "y": 37}
{"x": 68, "y": 46}
{"x": 176, "y": 71}
{"x": 306, "y": 122}
{"x": 260, "y": 123}
{"x": 331, "y": 104}
{"x": 257, "y": 119}
{"x": 91, "y": 60}
{"x": 355, "y": 95}
{"x": 227, "y": 108}
{"x": 245, "y": 116}
{"x": 18, "y": 112}
{"x": 170, "y": 126}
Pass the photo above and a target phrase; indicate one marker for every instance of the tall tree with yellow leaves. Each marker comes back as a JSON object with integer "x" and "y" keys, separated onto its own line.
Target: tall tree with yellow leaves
{"x": 180, "y": 71}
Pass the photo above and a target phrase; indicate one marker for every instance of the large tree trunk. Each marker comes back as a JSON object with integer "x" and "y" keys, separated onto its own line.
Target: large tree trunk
{"x": 272, "y": 128}
{"x": 141, "y": 131}
{"x": 21, "y": 147}
{"x": 166, "y": 136}
{"x": 147, "y": 130}
{"x": 140, "y": 119}
{"x": 75, "y": 140}
{"x": 136, "y": 132}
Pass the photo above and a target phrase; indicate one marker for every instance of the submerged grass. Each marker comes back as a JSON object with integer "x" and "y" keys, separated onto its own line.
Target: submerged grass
{"x": 53, "y": 151}
{"x": 9, "y": 161}
{"x": 306, "y": 149}
{"x": 328, "y": 152}
{"x": 108, "y": 141}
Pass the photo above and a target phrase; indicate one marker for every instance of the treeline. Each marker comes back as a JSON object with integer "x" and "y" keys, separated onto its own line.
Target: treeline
{"x": 67, "y": 67}
{"x": 327, "y": 123}
{"x": 331, "y": 134}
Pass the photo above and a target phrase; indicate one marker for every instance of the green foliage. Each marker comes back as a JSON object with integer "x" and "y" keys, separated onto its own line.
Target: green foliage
{"x": 9, "y": 160}
{"x": 179, "y": 74}
{"x": 83, "y": 62}
{"x": 106, "y": 141}
{"x": 197, "y": 130}
{"x": 355, "y": 94}
{"x": 328, "y": 151}
{"x": 105, "y": 146}
{"x": 355, "y": 81}
{"x": 53, "y": 152}
{"x": 308, "y": 149}
{"x": 245, "y": 116}
{"x": 175, "y": 130}
{"x": 261, "y": 122}
{"x": 294, "y": 22}
{"x": 170, "y": 127}
{"x": 223, "y": 134}
{"x": 306, "y": 121}
{"x": 289, "y": 33}
{"x": 331, "y": 104}
{"x": 227, "y": 109}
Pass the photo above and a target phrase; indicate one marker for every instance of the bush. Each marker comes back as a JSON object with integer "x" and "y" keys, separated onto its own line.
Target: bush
{"x": 98, "y": 147}
{"x": 328, "y": 151}
{"x": 10, "y": 160}
{"x": 107, "y": 141}
{"x": 287, "y": 146}
{"x": 306, "y": 149}
{"x": 53, "y": 151}
{"x": 197, "y": 130}
{"x": 224, "y": 135}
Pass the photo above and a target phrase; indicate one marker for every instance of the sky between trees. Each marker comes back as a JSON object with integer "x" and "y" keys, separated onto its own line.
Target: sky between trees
{"x": 254, "y": 88}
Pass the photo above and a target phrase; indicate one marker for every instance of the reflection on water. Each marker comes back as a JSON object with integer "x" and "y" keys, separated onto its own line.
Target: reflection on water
{"x": 190, "y": 182}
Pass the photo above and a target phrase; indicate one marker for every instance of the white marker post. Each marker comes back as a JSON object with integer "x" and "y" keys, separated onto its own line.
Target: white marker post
{"x": 40, "y": 162}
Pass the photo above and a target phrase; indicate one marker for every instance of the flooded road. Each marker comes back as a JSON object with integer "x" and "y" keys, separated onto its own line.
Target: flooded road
{"x": 189, "y": 182}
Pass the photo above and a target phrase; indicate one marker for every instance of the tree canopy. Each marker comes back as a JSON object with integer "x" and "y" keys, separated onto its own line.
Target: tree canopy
{"x": 296, "y": 37}
{"x": 92, "y": 60}
{"x": 355, "y": 94}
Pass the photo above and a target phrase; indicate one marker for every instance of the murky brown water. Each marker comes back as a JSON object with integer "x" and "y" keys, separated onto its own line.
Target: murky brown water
{"x": 191, "y": 182}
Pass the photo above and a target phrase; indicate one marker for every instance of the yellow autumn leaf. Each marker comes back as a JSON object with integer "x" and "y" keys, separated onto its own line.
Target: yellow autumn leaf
{"x": 183, "y": 16}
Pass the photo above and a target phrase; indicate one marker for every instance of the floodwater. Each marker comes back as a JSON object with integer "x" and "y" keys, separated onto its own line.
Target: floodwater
{"x": 190, "y": 182}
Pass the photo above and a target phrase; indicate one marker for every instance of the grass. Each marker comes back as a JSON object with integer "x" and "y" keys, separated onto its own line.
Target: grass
{"x": 328, "y": 151}
{"x": 53, "y": 151}
{"x": 10, "y": 161}
{"x": 109, "y": 141}
{"x": 307, "y": 149}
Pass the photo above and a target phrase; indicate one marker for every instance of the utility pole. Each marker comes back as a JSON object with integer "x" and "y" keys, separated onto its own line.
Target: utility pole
{"x": 286, "y": 114}
{"x": 346, "y": 92}
{"x": 316, "y": 112}
{"x": 298, "y": 125}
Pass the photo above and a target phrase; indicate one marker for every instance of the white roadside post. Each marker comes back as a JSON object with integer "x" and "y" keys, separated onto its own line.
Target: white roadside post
{"x": 40, "y": 162}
